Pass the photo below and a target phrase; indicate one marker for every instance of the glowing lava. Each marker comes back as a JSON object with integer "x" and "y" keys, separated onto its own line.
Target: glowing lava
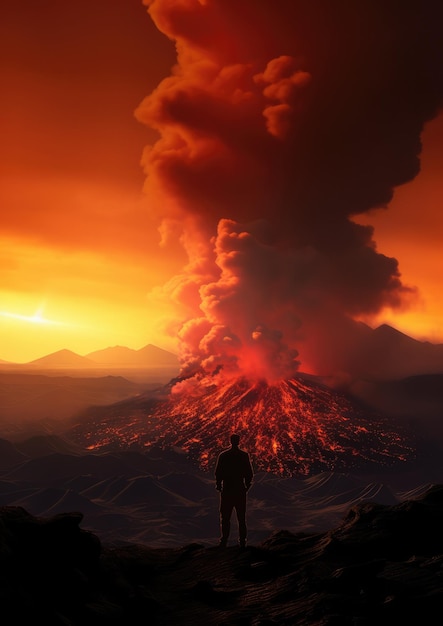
{"x": 291, "y": 427}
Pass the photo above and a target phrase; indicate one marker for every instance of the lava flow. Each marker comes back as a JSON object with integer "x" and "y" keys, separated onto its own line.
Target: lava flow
{"x": 292, "y": 427}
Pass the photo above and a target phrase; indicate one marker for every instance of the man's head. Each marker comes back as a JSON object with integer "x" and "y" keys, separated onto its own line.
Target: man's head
{"x": 235, "y": 440}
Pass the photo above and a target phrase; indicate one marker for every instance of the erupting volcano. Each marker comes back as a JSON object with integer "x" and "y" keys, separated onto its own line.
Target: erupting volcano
{"x": 289, "y": 427}
{"x": 281, "y": 125}
{"x": 295, "y": 426}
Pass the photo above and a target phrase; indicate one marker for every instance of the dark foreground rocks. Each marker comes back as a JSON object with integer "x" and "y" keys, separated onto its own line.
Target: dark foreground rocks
{"x": 381, "y": 565}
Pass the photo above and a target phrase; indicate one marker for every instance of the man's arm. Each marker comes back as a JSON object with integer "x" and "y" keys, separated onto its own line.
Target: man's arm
{"x": 218, "y": 473}
{"x": 249, "y": 473}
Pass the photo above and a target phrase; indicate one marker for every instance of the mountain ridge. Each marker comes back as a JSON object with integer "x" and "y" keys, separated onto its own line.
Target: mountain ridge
{"x": 122, "y": 355}
{"x": 62, "y": 358}
{"x": 116, "y": 356}
{"x": 381, "y": 353}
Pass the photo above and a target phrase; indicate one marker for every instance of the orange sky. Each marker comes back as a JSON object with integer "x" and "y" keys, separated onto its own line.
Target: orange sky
{"x": 80, "y": 249}
{"x": 411, "y": 230}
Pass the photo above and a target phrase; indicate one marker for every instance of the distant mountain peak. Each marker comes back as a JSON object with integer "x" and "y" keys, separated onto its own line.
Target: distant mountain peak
{"x": 150, "y": 348}
{"x": 111, "y": 352}
{"x": 62, "y": 358}
{"x": 148, "y": 356}
{"x": 393, "y": 334}
{"x": 386, "y": 328}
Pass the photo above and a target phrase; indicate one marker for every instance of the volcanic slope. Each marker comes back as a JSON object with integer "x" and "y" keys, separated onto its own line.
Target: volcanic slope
{"x": 293, "y": 427}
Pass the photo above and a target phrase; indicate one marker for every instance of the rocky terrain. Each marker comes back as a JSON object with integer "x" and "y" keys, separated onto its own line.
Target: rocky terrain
{"x": 381, "y": 565}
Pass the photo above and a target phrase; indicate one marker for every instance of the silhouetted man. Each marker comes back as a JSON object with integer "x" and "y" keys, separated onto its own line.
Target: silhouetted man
{"x": 233, "y": 475}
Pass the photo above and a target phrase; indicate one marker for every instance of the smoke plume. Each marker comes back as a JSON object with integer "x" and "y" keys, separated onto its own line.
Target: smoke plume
{"x": 280, "y": 122}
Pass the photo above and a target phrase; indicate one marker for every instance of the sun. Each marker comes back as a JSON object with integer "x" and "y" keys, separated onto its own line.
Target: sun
{"x": 37, "y": 318}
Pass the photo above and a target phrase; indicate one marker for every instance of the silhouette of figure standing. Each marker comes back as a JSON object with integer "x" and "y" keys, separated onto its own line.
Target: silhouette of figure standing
{"x": 233, "y": 475}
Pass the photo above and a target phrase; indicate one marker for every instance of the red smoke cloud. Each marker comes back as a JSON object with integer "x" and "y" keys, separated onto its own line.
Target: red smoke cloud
{"x": 280, "y": 121}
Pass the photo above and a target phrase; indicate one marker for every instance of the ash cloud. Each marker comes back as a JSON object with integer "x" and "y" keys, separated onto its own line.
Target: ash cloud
{"x": 280, "y": 122}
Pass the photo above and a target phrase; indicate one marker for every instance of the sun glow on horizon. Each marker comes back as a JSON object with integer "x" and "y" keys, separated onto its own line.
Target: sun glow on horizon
{"x": 37, "y": 318}
{"x": 82, "y": 325}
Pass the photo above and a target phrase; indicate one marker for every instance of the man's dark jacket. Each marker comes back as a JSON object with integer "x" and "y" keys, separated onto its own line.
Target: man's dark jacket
{"x": 233, "y": 471}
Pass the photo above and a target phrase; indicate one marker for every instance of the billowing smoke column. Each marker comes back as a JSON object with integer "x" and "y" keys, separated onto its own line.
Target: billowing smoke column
{"x": 281, "y": 121}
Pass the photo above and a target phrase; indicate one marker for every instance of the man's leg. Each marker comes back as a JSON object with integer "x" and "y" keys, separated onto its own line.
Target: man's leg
{"x": 240, "y": 509}
{"x": 226, "y": 506}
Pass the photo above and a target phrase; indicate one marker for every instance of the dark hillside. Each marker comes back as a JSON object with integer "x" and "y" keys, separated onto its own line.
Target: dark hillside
{"x": 382, "y": 565}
